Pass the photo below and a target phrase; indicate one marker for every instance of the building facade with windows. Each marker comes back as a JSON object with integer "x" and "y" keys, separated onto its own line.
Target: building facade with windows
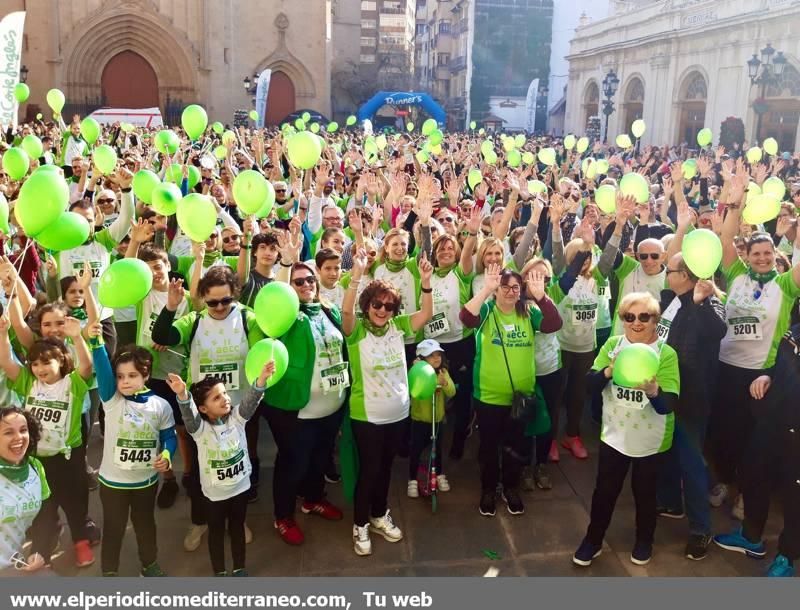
{"x": 387, "y": 41}
{"x": 683, "y": 65}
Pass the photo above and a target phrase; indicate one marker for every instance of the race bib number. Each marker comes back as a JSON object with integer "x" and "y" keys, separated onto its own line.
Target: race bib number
{"x": 228, "y": 472}
{"x": 584, "y": 314}
{"x": 335, "y": 378}
{"x": 663, "y": 329}
{"x": 132, "y": 454}
{"x": 95, "y": 266}
{"x": 224, "y": 372}
{"x": 52, "y": 414}
{"x": 437, "y": 326}
{"x": 148, "y": 330}
{"x": 745, "y": 329}
{"x": 601, "y": 291}
{"x": 628, "y": 397}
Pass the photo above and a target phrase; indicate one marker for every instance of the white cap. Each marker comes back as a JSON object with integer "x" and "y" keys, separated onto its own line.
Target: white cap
{"x": 428, "y": 347}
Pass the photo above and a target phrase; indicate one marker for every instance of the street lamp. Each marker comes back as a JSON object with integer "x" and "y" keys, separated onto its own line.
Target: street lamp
{"x": 250, "y": 84}
{"x": 610, "y": 85}
{"x": 765, "y": 71}
{"x": 23, "y": 74}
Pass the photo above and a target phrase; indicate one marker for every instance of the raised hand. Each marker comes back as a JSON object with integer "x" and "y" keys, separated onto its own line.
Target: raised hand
{"x": 141, "y": 231}
{"x": 474, "y": 221}
{"x": 177, "y": 385}
{"x": 703, "y": 167}
{"x": 72, "y": 327}
{"x": 556, "y": 208}
{"x": 492, "y": 275}
{"x": 425, "y": 269}
{"x": 684, "y": 214}
{"x": 85, "y": 276}
{"x": 535, "y": 284}
{"x": 52, "y": 266}
{"x": 359, "y": 264}
{"x": 702, "y": 290}
{"x": 267, "y": 371}
{"x": 175, "y": 294}
{"x": 198, "y": 250}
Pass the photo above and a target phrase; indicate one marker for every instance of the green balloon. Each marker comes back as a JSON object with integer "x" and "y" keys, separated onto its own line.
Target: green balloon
{"x": 606, "y": 198}
{"x": 32, "y": 145}
{"x": 4, "y": 228}
{"x": 422, "y": 156}
{"x": 260, "y": 354}
{"x": 636, "y": 185}
{"x": 601, "y": 166}
{"x": 276, "y": 308}
{"x": 90, "y": 130}
{"x": 124, "y": 283}
{"x": 39, "y": 116}
{"x": 771, "y": 146}
{"x": 704, "y": 137}
{"x": 351, "y": 120}
{"x": 127, "y": 127}
{"x": 760, "y": 209}
{"x": 68, "y": 231}
{"x": 314, "y": 128}
{"x": 105, "y": 159}
{"x": 165, "y": 198}
{"x": 487, "y": 146}
{"x": 547, "y": 156}
{"x": 689, "y": 168}
{"x": 491, "y": 158}
{"x": 754, "y": 154}
{"x": 472, "y": 124}
{"x": 422, "y": 381}
{"x": 481, "y": 131}
{"x": 636, "y": 364}
{"x": 194, "y": 121}
{"x": 536, "y": 186}
{"x": 143, "y": 184}
{"x": 332, "y": 127}
{"x": 570, "y": 141}
{"x": 42, "y": 199}
{"x": 528, "y": 158}
{"x": 228, "y": 137}
{"x": 300, "y": 125}
{"x": 253, "y": 115}
{"x": 174, "y": 174}
{"x": 514, "y": 158}
{"x": 56, "y": 100}
{"x": 774, "y": 186}
{"x": 306, "y": 117}
{"x": 197, "y": 216}
{"x": 519, "y": 140}
{"x": 16, "y": 163}
{"x": 582, "y": 144}
{"x": 167, "y": 142}
{"x": 194, "y": 176}
{"x": 429, "y": 126}
{"x": 381, "y": 142}
{"x": 304, "y": 150}
{"x": 509, "y": 144}
{"x": 218, "y": 127}
{"x": 474, "y": 178}
{"x": 436, "y": 137}
{"x": 251, "y": 190}
{"x": 702, "y": 252}
{"x": 624, "y": 140}
{"x": 410, "y": 126}
{"x": 220, "y": 152}
{"x": 21, "y": 92}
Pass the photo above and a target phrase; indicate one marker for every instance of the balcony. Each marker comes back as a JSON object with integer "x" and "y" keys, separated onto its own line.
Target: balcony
{"x": 457, "y": 64}
{"x": 462, "y": 25}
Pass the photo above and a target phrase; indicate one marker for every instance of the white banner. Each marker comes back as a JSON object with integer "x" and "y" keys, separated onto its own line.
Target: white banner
{"x": 11, "y": 44}
{"x": 530, "y": 106}
{"x": 262, "y": 90}
{"x": 141, "y": 117}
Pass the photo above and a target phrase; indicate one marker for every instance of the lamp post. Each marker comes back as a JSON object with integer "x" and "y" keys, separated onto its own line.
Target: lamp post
{"x": 249, "y": 84}
{"x": 765, "y": 71}
{"x": 610, "y": 85}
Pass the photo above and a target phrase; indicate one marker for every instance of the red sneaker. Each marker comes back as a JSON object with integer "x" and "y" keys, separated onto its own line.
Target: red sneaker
{"x": 575, "y": 445}
{"x": 289, "y": 531}
{"x": 83, "y": 554}
{"x": 324, "y": 509}
{"x": 553, "y": 455}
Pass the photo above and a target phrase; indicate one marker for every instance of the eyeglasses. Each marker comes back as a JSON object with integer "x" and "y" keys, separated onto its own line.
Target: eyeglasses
{"x": 300, "y": 281}
{"x": 643, "y": 256}
{"x": 642, "y": 317}
{"x": 515, "y": 288}
{"x": 231, "y": 238}
{"x": 214, "y": 303}
{"x": 389, "y": 307}
{"x": 104, "y": 200}
{"x": 674, "y": 271}
{"x": 486, "y": 233}
{"x": 447, "y": 219}
{"x": 280, "y": 190}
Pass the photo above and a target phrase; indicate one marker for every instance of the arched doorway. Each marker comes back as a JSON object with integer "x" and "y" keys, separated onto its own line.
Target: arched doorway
{"x": 591, "y": 101}
{"x": 693, "y": 95}
{"x": 129, "y": 81}
{"x": 781, "y": 119}
{"x": 633, "y": 104}
{"x": 280, "y": 99}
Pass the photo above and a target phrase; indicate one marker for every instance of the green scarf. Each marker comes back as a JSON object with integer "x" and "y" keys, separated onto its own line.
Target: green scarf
{"x": 79, "y": 313}
{"x": 378, "y": 331}
{"x": 395, "y": 267}
{"x": 13, "y": 472}
{"x": 443, "y": 271}
{"x": 311, "y": 309}
{"x": 211, "y": 257}
{"x": 762, "y": 278}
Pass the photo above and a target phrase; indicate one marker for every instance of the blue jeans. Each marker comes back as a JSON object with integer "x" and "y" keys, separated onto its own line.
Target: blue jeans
{"x": 684, "y": 462}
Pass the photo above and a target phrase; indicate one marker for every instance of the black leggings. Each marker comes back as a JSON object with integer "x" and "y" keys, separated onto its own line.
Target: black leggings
{"x": 551, "y": 385}
{"x": 421, "y": 439}
{"x": 69, "y": 490}
{"x": 377, "y": 445}
{"x": 502, "y": 450}
{"x": 234, "y": 511}
{"x": 576, "y": 365}
{"x": 118, "y": 504}
{"x": 460, "y": 360}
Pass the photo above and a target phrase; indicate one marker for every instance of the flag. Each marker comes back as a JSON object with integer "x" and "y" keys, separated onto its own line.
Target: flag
{"x": 11, "y": 42}
{"x": 262, "y": 90}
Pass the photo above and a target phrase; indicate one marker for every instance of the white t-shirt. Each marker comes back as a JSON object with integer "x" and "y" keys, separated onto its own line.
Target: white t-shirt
{"x": 19, "y": 505}
{"x": 326, "y": 397}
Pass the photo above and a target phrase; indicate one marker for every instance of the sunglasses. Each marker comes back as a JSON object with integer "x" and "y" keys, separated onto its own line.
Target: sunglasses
{"x": 231, "y": 238}
{"x": 214, "y": 303}
{"x": 447, "y": 219}
{"x": 643, "y": 256}
{"x": 104, "y": 200}
{"x": 389, "y": 307}
{"x": 309, "y": 279}
{"x": 642, "y": 317}
{"x": 515, "y": 288}
{"x": 280, "y": 190}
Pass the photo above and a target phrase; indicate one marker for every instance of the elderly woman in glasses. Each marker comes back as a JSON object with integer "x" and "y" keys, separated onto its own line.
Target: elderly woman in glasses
{"x": 637, "y": 425}
{"x": 379, "y": 402}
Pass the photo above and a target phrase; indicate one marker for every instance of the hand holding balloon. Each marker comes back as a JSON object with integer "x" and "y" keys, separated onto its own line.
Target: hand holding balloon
{"x": 703, "y": 290}
{"x": 650, "y": 387}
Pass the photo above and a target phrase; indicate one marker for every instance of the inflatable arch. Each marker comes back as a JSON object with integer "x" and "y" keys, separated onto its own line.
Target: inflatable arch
{"x": 401, "y": 98}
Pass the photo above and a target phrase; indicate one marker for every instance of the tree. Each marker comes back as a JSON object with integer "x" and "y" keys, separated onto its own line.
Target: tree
{"x": 731, "y": 131}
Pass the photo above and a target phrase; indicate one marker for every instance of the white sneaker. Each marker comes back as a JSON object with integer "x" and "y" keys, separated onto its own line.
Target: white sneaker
{"x": 718, "y": 495}
{"x": 248, "y": 535}
{"x": 386, "y": 528}
{"x": 193, "y": 537}
{"x": 442, "y": 483}
{"x": 362, "y": 545}
{"x": 737, "y": 512}
{"x": 413, "y": 489}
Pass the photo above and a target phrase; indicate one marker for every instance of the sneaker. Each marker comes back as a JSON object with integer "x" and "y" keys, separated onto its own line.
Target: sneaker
{"x": 553, "y": 455}
{"x": 528, "y": 481}
{"x": 718, "y": 495}
{"x": 513, "y": 502}
{"x": 110, "y": 574}
{"x": 541, "y": 477}
{"x": 735, "y": 541}
{"x": 670, "y": 513}
{"x": 586, "y": 553}
{"x": 575, "y": 446}
{"x": 83, "y": 554}
{"x": 642, "y": 553}
{"x": 362, "y": 545}
{"x": 697, "y": 546}
{"x": 323, "y": 508}
{"x": 168, "y": 493}
{"x": 241, "y": 572}
{"x": 289, "y": 531}
{"x": 487, "y": 506}
{"x": 93, "y": 533}
{"x": 191, "y": 542}
{"x": 220, "y": 574}
{"x": 737, "y": 512}
{"x": 333, "y": 477}
{"x": 781, "y": 567}
{"x": 248, "y": 534}
{"x": 386, "y": 527}
{"x": 442, "y": 484}
{"x": 153, "y": 570}
{"x": 413, "y": 489}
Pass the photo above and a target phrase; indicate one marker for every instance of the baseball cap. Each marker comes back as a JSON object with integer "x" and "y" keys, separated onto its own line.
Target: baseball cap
{"x": 428, "y": 347}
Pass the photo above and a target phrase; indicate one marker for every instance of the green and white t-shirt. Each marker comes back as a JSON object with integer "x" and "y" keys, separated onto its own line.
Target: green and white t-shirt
{"x": 19, "y": 505}
{"x": 579, "y": 310}
{"x": 632, "y": 278}
{"x": 97, "y": 252}
{"x": 603, "y": 293}
{"x": 331, "y": 376}
{"x": 491, "y": 381}
{"x": 131, "y": 443}
{"x": 380, "y": 379}
{"x": 147, "y": 311}
{"x": 757, "y": 317}
{"x": 450, "y": 293}
{"x": 630, "y": 423}
{"x": 57, "y": 407}
{"x": 547, "y": 353}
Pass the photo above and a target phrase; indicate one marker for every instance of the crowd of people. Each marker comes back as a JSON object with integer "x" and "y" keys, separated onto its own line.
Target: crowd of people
{"x": 506, "y": 288}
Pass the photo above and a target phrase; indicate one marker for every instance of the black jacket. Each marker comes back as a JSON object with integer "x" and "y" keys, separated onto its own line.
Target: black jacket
{"x": 695, "y": 334}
